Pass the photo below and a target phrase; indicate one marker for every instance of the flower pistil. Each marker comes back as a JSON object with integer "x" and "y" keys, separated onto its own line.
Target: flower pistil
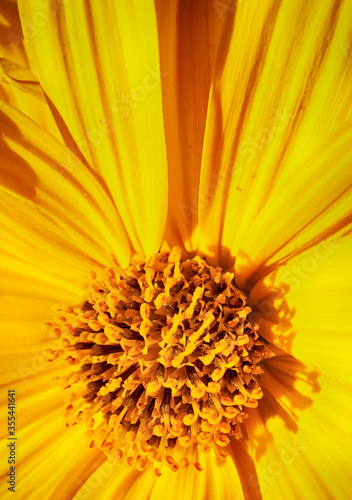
{"x": 167, "y": 361}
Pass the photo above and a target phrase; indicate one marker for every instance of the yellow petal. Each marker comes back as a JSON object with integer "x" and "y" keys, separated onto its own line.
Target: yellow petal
{"x": 212, "y": 482}
{"x": 309, "y": 459}
{"x": 43, "y": 441}
{"x": 47, "y": 448}
{"x": 218, "y": 481}
{"x": 20, "y": 77}
{"x": 11, "y": 44}
{"x": 299, "y": 436}
{"x": 311, "y": 206}
{"x": 44, "y": 445}
{"x": 189, "y": 35}
{"x": 32, "y": 377}
{"x": 119, "y": 483}
{"x": 24, "y": 97}
{"x": 98, "y": 64}
{"x": 18, "y": 86}
{"x": 31, "y": 294}
{"x": 283, "y": 90}
{"x": 304, "y": 307}
{"x": 51, "y": 196}
{"x": 30, "y": 237}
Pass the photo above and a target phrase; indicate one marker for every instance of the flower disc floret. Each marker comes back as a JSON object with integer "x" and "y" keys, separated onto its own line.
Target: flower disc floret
{"x": 167, "y": 361}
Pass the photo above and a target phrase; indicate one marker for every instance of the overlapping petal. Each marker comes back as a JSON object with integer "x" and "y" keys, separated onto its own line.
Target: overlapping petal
{"x": 189, "y": 34}
{"x": 315, "y": 288}
{"x": 108, "y": 103}
{"x": 312, "y": 461}
{"x": 292, "y": 84}
{"x": 18, "y": 85}
{"x": 217, "y": 481}
{"x": 60, "y": 201}
{"x": 248, "y": 115}
{"x": 302, "y": 422}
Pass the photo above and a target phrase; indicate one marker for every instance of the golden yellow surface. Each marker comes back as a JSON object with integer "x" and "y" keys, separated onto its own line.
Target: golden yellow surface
{"x": 220, "y": 126}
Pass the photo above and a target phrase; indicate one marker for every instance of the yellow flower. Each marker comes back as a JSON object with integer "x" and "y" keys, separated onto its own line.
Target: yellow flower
{"x": 224, "y": 128}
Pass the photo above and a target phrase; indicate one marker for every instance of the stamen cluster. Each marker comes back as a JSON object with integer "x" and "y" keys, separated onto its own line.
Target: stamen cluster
{"x": 167, "y": 361}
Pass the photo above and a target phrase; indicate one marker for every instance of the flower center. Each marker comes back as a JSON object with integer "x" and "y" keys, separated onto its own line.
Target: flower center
{"x": 167, "y": 361}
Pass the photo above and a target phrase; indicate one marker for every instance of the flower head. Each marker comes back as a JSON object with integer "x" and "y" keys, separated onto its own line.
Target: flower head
{"x": 224, "y": 129}
{"x": 168, "y": 361}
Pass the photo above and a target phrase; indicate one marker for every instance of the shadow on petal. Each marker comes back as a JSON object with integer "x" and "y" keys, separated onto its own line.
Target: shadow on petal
{"x": 288, "y": 384}
{"x": 16, "y": 174}
{"x": 246, "y": 469}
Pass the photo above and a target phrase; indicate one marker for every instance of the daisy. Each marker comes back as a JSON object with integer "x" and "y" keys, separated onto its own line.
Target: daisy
{"x": 176, "y": 240}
